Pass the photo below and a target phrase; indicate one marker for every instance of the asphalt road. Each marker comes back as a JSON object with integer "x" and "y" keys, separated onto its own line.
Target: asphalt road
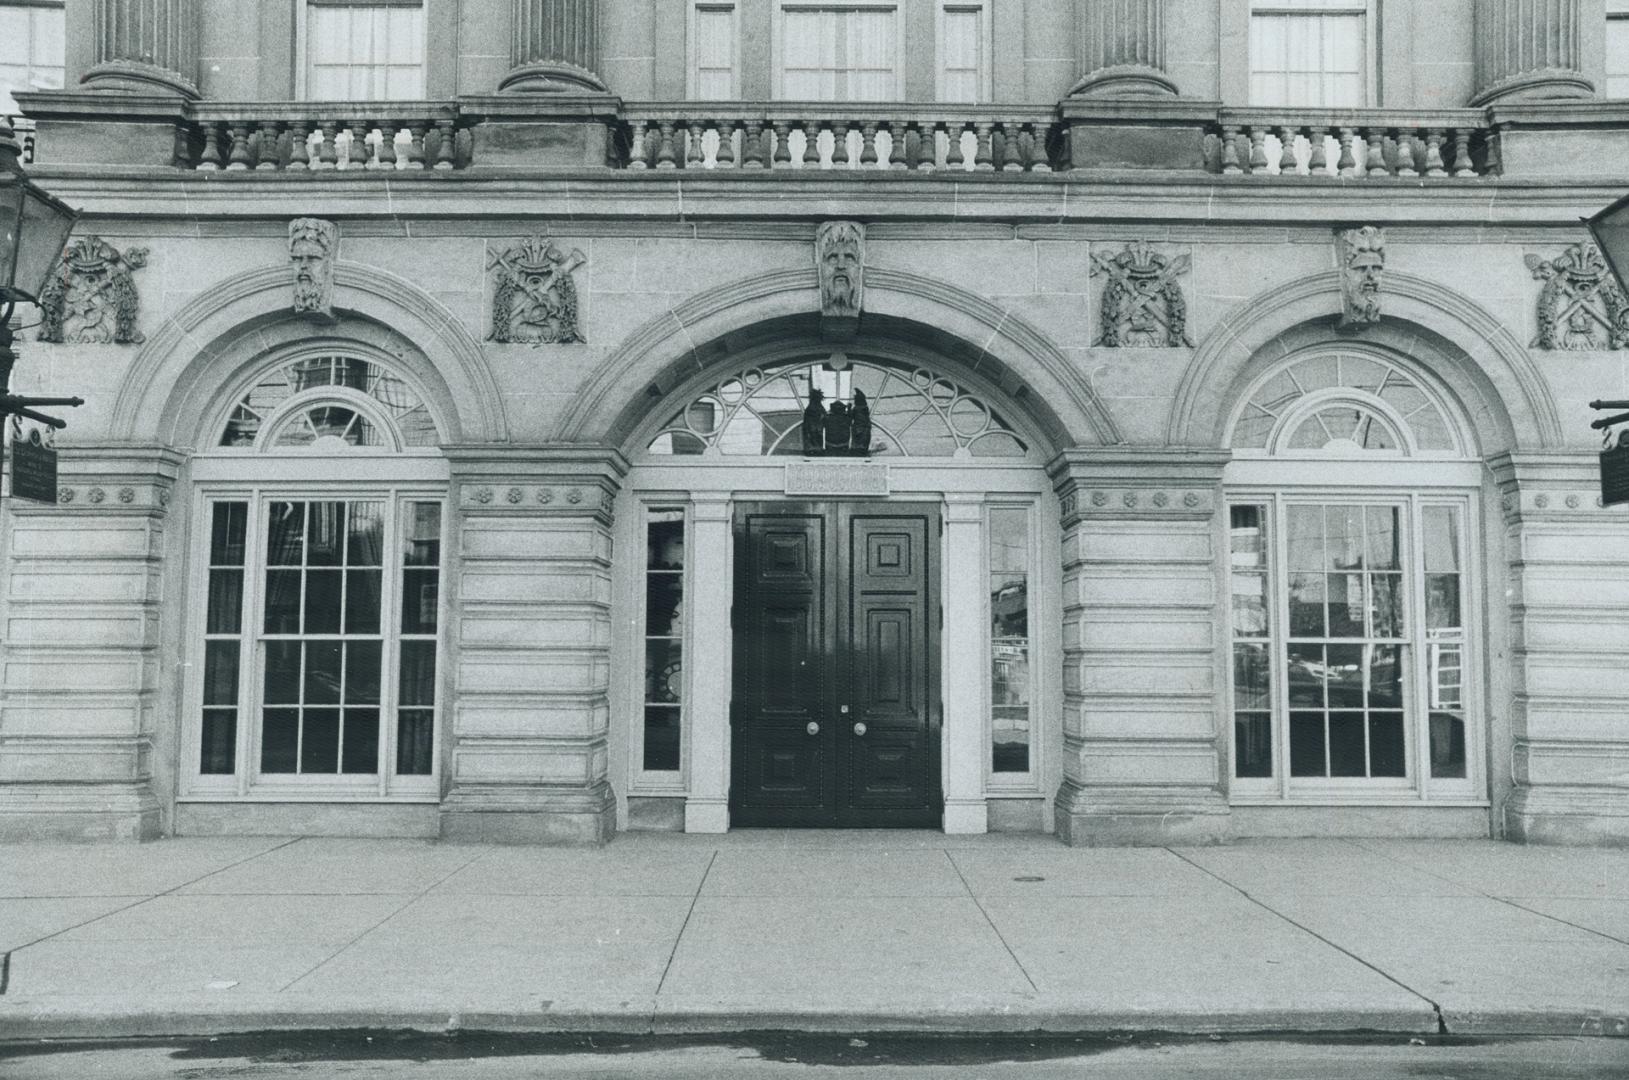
{"x": 474, "y": 1056}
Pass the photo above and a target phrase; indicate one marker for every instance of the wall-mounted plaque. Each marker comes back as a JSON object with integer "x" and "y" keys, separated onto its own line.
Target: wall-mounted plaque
{"x": 836, "y": 477}
{"x": 34, "y": 470}
{"x": 1615, "y": 473}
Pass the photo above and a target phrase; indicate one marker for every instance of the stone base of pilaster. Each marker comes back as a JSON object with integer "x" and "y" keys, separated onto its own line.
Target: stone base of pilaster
{"x": 551, "y": 77}
{"x": 568, "y": 128}
{"x": 1579, "y": 816}
{"x": 706, "y": 815}
{"x": 135, "y": 77}
{"x": 530, "y": 815}
{"x": 1117, "y": 125}
{"x": 78, "y": 812}
{"x": 1543, "y": 85}
{"x": 967, "y": 817}
{"x": 1125, "y": 80}
{"x": 1094, "y": 816}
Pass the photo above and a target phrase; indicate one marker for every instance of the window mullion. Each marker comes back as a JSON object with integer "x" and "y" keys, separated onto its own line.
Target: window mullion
{"x": 393, "y": 565}
{"x": 1278, "y": 634}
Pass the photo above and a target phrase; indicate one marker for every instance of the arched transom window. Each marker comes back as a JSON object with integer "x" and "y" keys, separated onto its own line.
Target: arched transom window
{"x": 914, "y": 412}
{"x": 1345, "y": 403}
{"x": 332, "y": 402}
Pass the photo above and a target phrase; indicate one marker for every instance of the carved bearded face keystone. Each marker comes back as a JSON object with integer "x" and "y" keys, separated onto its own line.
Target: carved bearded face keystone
{"x": 1363, "y": 263}
{"x": 840, "y": 260}
{"x": 311, "y": 249}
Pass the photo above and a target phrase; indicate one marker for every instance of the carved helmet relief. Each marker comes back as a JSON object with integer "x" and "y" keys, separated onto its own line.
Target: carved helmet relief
{"x": 312, "y": 247}
{"x": 534, "y": 300}
{"x": 1580, "y": 306}
{"x": 1142, "y": 304}
{"x": 92, "y": 297}
{"x": 1361, "y": 254}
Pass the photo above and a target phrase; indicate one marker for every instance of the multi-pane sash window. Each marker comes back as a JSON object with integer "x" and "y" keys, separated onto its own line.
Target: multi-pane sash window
{"x": 364, "y": 52}
{"x": 1617, "y": 49}
{"x": 964, "y": 66}
{"x": 1348, "y": 645}
{"x": 31, "y": 50}
{"x": 664, "y": 638}
{"x": 320, "y": 639}
{"x": 1011, "y": 686}
{"x": 713, "y": 49}
{"x": 838, "y": 52}
{"x": 1309, "y": 53}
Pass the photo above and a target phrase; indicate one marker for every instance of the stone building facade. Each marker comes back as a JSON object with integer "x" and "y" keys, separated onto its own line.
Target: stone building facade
{"x": 1200, "y": 449}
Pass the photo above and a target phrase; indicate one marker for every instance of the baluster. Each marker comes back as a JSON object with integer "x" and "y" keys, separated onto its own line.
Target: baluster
{"x": 1405, "y": 153}
{"x": 695, "y": 146}
{"x": 954, "y": 159}
{"x": 1012, "y": 149}
{"x": 1375, "y": 163}
{"x": 1287, "y": 165}
{"x": 811, "y": 144}
{"x": 1462, "y": 153}
{"x": 839, "y": 144}
{"x": 386, "y": 157}
{"x": 868, "y": 144}
{"x": 415, "y": 145}
{"x": 637, "y": 150}
{"x": 666, "y": 152}
{"x": 1317, "y": 163}
{"x": 783, "y": 145}
{"x": 267, "y": 156}
{"x": 927, "y": 146}
{"x": 752, "y": 145}
{"x": 1037, "y": 148}
{"x": 358, "y": 154}
{"x": 1230, "y": 150}
{"x": 725, "y": 158}
{"x": 1433, "y": 153}
{"x": 1258, "y": 149}
{"x": 984, "y": 152}
{"x": 209, "y": 159}
{"x": 1347, "y": 166}
{"x": 299, "y": 150}
{"x": 1493, "y": 151}
{"x": 240, "y": 147}
{"x": 897, "y": 136}
{"x": 447, "y": 146}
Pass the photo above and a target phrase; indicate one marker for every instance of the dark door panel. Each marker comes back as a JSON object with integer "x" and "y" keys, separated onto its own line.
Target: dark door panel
{"x": 836, "y": 665}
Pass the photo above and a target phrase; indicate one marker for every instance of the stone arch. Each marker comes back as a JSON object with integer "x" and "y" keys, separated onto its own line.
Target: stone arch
{"x": 1477, "y": 359}
{"x": 997, "y": 345}
{"x": 202, "y": 349}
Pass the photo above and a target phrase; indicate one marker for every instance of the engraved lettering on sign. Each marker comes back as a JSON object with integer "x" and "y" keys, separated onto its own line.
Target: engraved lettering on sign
{"x": 834, "y": 478}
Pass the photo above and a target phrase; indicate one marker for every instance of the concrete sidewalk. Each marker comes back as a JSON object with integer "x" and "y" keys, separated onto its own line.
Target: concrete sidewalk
{"x": 815, "y": 931}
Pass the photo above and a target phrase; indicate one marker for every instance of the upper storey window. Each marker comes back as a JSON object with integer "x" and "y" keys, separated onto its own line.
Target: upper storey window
{"x": 1617, "y": 48}
{"x": 31, "y": 49}
{"x": 839, "y": 52}
{"x": 714, "y": 48}
{"x": 364, "y": 52}
{"x": 1309, "y": 53}
{"x": 964, "y": 52}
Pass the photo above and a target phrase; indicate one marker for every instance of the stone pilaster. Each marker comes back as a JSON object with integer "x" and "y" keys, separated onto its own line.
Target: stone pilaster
{"x": 1142, "y": 749}
{"x": 1568, "y": 572}
{"x": 531, "y": 656}
{"x": 1528, "y": 50}
{"x": 555, "y": 46}
{"x": 146, "y": 45}
{"x": 1122, "y": 48}
{"x": 80, "y": 662}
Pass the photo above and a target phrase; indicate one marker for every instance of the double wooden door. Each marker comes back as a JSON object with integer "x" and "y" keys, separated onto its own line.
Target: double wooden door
{"x": 835, "y": 714}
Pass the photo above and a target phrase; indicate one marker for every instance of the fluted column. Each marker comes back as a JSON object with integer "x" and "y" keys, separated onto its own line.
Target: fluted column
{"x": 146, "y": 45}
{"x": 1528, "y": 50}
{"x": 555, "y": 46}
{"x": 1122, "y": 48}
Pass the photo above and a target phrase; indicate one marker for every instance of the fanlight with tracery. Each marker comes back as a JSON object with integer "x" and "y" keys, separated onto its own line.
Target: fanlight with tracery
{"x": 1343, "y": 402}
{"x": 915, "y": 412}
{"x": 326, "y": 421}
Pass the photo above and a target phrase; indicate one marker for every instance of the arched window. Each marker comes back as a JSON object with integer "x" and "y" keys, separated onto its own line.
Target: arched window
{"x": 317, "y": 612}
{"x": 1352, "y": 499}
{"x": 914, "y": 412}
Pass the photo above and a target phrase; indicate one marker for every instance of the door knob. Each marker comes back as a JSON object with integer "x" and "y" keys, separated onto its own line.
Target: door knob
{"x": 843, "y": 709}
{"x": 813, "y": 728}
{"x": 859, "y": 728}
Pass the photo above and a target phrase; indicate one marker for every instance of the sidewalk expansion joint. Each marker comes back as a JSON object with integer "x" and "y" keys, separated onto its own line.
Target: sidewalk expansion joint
{"x": 673, "y": 952}
{"x": 1436, "y": 1008}
{"x": 993, "y": 927}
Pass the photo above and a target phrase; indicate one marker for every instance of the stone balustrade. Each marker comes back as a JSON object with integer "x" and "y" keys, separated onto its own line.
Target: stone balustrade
{"x": 795, "y": 136}
{"x": 315, "y": 136}
{"x": 1371, "y": 144}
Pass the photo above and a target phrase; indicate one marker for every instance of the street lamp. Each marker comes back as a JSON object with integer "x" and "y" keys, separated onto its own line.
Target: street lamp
{"x": 34, "y": 229}
{"x": 1610, "y": 228}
